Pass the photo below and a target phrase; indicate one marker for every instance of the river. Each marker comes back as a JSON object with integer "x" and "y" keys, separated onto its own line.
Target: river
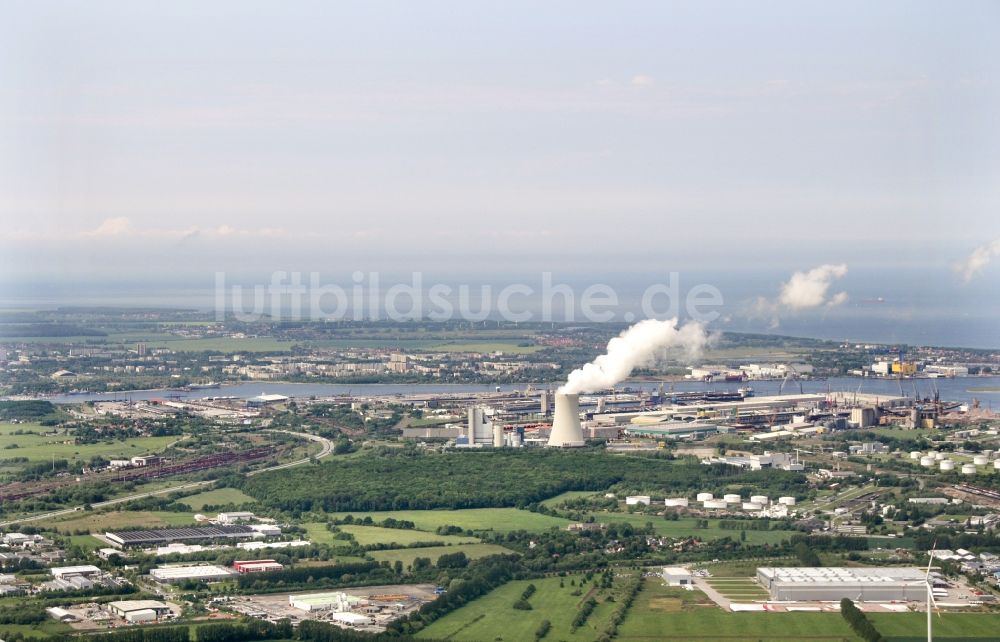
{"x": 959, "y": 389}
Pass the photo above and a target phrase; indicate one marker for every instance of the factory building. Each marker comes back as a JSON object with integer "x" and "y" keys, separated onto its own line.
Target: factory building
{"x": 481, "y": 431}
{"x": 256, "y": 566}
{"x": 830, "y": 584}
{"x": 166, "y": 535}
{"x": 176, "y": 574}
{"x": 139, "y": 610}
{"x": 336, "y": 601}
{"x": 234, "y": 517}
{"x": 263, "y": 400}
{"x": 677, "y": 576}
{"x": 61, "y": 572}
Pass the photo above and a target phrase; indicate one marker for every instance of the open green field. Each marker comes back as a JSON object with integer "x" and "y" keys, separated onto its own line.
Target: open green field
{"x": 511, "y": 347}
{"x": 87, "y": 542}
{"x": 685, "y": 527}
{"x": 99, "y": 522}
{"x": 738, "y": 588}
{"x": 38, "y": 443}
{"x": 217, "y": 497}
{"x": 225, "y": 344}
{"x": 907, "y": 627}
{"x": 713, "y": 625}
{"x": 407, "y": 555}
{"x": 492, "y": 617}
{"x": 44, "y": 630}
{"x": 480, "y": 519}
{"x": 561, "y": 498}
{"x": 665, "y": 613}
{"x": 368, "y": 535}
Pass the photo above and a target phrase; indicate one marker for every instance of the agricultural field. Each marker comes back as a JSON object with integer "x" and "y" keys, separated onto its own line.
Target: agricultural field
{"x": 478, "y": 519}
{"x": 217, "y": 497}
{"x": 407, "y": 555}
{"x": 99, "y": 522}
{"x": 492, "y": 617}
{"x": 39, "y": 443}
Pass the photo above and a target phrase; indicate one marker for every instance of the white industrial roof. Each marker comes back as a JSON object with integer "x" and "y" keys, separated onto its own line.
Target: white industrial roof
{"x": 842, "y": 575}
{"x": 174, "y": 572}
{"x": 74, "y": 570}
{"x": 137, "y": 605}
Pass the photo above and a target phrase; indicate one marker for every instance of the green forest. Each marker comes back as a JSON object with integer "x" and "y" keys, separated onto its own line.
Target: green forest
{"x": 387, "y": 479}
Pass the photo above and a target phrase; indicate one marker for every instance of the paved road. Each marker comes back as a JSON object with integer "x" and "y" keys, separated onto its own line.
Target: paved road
{"x": 326, "y": 451}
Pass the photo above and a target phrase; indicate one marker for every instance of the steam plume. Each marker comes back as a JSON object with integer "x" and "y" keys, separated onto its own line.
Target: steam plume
{"x": 637, "y": 346}
{"x": 979, "y": 259}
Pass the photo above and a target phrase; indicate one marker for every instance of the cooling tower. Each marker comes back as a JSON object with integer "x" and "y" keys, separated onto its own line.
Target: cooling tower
{"x": 566, "y": 429}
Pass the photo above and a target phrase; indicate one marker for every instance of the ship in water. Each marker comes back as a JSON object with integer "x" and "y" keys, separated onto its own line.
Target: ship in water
{"x": 204, "y": 386}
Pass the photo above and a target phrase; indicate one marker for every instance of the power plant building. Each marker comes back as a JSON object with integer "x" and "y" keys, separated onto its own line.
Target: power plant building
{"x": 831, "y": 584}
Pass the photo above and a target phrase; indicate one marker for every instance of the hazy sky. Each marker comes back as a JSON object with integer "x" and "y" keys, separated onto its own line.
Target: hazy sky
{"x": 152, "y": 137}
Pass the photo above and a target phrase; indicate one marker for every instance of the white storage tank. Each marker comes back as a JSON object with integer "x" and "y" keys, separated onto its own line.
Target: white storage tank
{"x": 947, "y": 466}
{"x": 987, "y": 453}
{"x": 939, "y": 456}
{"x": 732, "y": 498}
{"x": 715, "y": 503}
{"x": 787, "y": 501}
{"x": 752, "y": 506}
{"x": 927, "y": 461}
{"x": 760, "y": 499}
{"x": 916, "y": 454}
{"x": 676, "y": 501}
{"x": 980, "y": 460}
{"x": 996, "y": 464}
{"x": 704, "y": 496}
{"x": 968, "y": 469}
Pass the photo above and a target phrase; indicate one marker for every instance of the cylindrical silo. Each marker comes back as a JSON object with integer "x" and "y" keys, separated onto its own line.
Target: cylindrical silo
{"x": 760, "y": 499}
{"x": 916, "y": 454}
{"x": 715, "y": 503}
{"x": 927, "y": 461}
{"x": 980, "y": 460}
{"x": 732, "y": 498}
{"x": 968, "y": 469}
{"x": 752, "y": 506}
{"x": 676, "y": 502}
{"x": 947, "y": 466}
{"x": 701, "y": 497}
{"x": 787, "y": 501}
{"x": 996, "y": 464}
{"x": 940, "y": 456}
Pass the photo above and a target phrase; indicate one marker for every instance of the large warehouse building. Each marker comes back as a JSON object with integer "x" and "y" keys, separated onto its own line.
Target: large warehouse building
{"x": 123, "y": 539}
{"x": 828, "y": 584}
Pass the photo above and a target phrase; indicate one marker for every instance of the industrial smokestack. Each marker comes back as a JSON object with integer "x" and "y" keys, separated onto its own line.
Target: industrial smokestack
{"x": 566, "y": 429}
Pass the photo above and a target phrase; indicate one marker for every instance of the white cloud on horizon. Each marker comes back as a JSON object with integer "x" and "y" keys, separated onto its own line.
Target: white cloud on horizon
{"x": 803, "y": 291}
{"x": 809, "y": 289}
